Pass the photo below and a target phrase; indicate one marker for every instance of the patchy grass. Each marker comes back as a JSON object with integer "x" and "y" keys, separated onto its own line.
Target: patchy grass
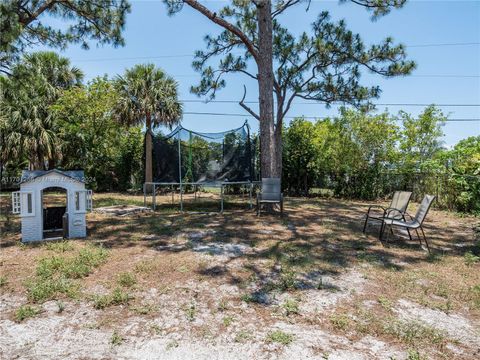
{"x": 59, "y": 246}
{"x": 291, "y": 307}
{"x": 280, "y": 337}
{"x": 26, "y": 311}
{"x": 126, "y": 279}
{"x": 56, "y": 274}
{"x": 116, "y": 338}
{"x": 293, "y": 270}
{"x": 471, "y": 258}
{"x": 116, "y": 297}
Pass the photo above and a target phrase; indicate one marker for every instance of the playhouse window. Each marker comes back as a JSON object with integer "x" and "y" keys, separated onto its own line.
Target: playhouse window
{"x": 83, "y": 200}
{"x": 22, "y": 203}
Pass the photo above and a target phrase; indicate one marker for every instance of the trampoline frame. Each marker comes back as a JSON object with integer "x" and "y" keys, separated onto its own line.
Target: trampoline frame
{"x": 222, "y": 185}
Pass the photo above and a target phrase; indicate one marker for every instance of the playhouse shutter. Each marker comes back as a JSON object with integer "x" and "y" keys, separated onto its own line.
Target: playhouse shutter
{"x": 16, "y": 202}
{"x": 89, "y": 200}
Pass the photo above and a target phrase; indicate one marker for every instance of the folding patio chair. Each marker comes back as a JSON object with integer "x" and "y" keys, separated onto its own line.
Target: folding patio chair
{"x": 397, "y": 208}
{"x": 271, "y": 194}
{"x": 414, "y": 223}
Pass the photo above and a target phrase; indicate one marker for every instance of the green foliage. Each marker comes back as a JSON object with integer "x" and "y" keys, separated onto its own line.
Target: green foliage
{"x": 25, "y": 312}
{"x": 126, "y": 279}
{"x": 291, "y": 307}
{"x": 280, "y": 336}
{"x": 116, "y": 297}
{"x": 116, "y": 338}
{"x": 92, "y": 140}
{"x": 364, "y": 156}
{"x": 29, "y": 129}
{"x": 28, "y": 24}
{"x": 55, "y": 275}
{"x": 470, "y": 258}
{"x": 59, "y": 246}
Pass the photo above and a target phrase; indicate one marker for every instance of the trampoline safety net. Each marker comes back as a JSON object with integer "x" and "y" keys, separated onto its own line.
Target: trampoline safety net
{"x": 191, "y": 157}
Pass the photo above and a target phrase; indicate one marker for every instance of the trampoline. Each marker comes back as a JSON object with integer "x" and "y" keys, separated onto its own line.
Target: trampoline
{"x": 186, "y": 161}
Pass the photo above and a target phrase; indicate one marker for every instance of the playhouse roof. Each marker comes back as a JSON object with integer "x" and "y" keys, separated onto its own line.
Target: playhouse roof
{"x": 29, "y": 175}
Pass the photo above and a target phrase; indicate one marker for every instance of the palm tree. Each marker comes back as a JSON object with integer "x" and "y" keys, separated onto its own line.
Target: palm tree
{"x": 146, "y": 95}
{"x": 35, "y": 84}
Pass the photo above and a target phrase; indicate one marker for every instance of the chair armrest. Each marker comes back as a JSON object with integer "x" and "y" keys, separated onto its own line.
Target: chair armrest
{"x": 376, "y": 206}
{"x": 388, "y": 211}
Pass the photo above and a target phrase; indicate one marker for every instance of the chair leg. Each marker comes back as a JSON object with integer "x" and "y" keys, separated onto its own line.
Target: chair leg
{"x": 365, "y": 224}
{"x": 380, "y": 235}
{"x": 409, "y": 235}
{"x": 418, "y": 236}
{"x": 425, "y": 239}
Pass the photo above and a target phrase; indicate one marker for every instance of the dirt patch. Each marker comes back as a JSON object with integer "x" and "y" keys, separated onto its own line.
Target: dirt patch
{"x": 455, "y": 326}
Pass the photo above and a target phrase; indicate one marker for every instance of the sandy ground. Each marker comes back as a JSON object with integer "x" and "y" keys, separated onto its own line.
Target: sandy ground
{"x": 217, "y": 286}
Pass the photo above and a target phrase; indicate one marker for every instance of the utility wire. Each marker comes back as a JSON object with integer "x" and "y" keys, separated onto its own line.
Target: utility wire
{"x": 334, "y": 103}
{"x": 192, "y": 55}
{"x": 293, "y": 117}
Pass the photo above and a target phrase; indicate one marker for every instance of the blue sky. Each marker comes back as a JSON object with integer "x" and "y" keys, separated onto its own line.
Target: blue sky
{"x": 445, "y": 74}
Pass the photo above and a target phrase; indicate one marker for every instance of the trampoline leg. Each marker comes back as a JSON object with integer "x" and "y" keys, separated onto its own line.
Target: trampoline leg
{"x": 144, "y": 195}
{"x": 181, "y": 197}
{"x": 221, "y": 198}
{"x": 154, "y": 198}
{"x": 250, "y": 195}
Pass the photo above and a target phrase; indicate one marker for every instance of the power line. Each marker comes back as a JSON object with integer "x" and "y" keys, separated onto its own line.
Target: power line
{"x": 192, "y": 55}
{"x": 293, "y": 117}
{"x": 334, "y": 103}
{"x": 445, "y": 44}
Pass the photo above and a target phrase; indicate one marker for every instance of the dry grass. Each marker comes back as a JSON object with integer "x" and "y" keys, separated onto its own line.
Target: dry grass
{"x": 218, "y": 274}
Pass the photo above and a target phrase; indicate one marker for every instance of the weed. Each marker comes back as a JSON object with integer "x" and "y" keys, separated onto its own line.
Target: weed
{"x": 144, "y": 309}
{"x": 340, "y": 321}
{"x": 3, "y": 281}
{"x": 54, "y": 274}
{"x": 101, "y": 301}
{"x": 59, "y": 246}
{"x": 119, "y": 297}
{"x": 222, "y": 305}
{"x": 156, "y": 329}
{"x": 291, "y": 307}
{"x": 228, "y": 320}
{"x": 413, "y": 332}
{"x": 470, "y": 258}
{"x": 172, "y": 344}
{"x": 116, "y": 338}
{"x": 415, "y": 355}
{"x": 183, "y": 269}
{"x": 287, "y": 280}
{"x": 143, "y": 266}
{"x": 279, "y": 336}
{"x": 25, "y": 312}
{"x": 190, "y": 312}
{"x": 242, "y": 336}
{"x": 40, "y": 289}
{"x": 126, "y": 279}
{"x": 61, "y": 306}
{"x": 248, "y": 298}
{"x": 385, "y": 302}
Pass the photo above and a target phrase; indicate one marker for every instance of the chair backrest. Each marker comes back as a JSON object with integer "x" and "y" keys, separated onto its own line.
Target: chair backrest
{"x": 424, "y": 207}
{"x": 400, "y": 200}
{"x": 271, "y": 189}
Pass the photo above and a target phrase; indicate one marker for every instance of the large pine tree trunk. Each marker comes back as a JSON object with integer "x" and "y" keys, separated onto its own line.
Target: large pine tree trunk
{"x": 268, "y": 148}
{"x": 148, "y": 150}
